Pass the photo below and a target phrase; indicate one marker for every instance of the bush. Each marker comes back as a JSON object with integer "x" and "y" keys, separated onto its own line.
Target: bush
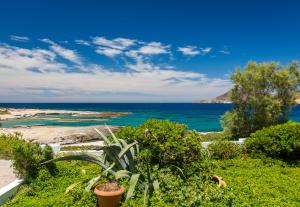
{"x": 280, "y": 141}
{"x": 166, "y": 142}
{"x": 213, "y": 136}
{"x": 5, "y": 149}
{"x": 50, "y": 190}
{"x": 225, "y": 150}
{"x": 26, "y": 157}
{"x": 175, "y": 190}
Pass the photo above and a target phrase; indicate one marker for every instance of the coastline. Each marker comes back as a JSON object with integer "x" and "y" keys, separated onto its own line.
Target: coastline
{"x": 15, "y": 113}
{"x": 46, "y": 134}
{"x": 59, "y": 134}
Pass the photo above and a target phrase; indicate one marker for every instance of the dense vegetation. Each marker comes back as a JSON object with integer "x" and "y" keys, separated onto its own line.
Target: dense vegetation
{"x": 280, "y": 141}
{"x": 185, "y": 176}
{"x": 263, "y": 95}
{"x": 26, "y": 156}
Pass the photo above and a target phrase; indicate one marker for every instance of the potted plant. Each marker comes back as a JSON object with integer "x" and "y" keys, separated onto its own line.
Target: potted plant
{"x": 109, "y": 194}
{"x": 118, "y": 158}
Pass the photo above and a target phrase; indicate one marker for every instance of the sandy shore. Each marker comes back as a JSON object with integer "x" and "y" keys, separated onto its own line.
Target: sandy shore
{"x": 29, "y": 113}
{"x": 58, "y": 134}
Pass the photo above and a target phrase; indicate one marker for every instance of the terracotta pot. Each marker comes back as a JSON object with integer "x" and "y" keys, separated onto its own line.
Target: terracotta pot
{"x": 109, "y": 198}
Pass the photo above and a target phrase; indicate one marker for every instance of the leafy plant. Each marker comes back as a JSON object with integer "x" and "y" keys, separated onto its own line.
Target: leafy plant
{"x": 280, "y": 141}
{"x": 225, "y": 150}
{"x": 263, "y": 95}
{"x": 116, "y": 157}
{"x": 26, "y": 157}
{"x": 167, "y": 143}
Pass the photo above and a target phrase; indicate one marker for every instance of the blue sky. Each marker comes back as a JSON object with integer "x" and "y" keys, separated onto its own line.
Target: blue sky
{"x": 138, "y": 51}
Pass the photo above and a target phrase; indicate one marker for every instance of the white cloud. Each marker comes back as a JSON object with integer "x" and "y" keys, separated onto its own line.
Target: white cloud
{"x": 19, "y": 38}
{"x": 82, "y": 42}
{"x": 189, "y": 50}
{"x": 117, "y": 43}
{"x": 19, "y": 59}
{"x": 67, "y": 54}
{"x": 38, "y": 75}
{"x": 205, "y": 50}
{"x": 109, "y": 52}
{"x": 154, "y": 48}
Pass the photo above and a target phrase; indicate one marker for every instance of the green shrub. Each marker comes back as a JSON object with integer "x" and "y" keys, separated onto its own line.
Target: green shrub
{"x": 26, "y": 157}
{"x": 175, "y": 190}
{"x": 213, "y": 136}
{"x": 166, "y": 142}
{"x": 5, "y": 149}
{"x": 50, "y": 190}
{"x": 225, "y": 150}
{"x": 280, "y": 141}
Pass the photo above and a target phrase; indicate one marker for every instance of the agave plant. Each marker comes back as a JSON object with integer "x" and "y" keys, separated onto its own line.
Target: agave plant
{"x": 117, "y": 157}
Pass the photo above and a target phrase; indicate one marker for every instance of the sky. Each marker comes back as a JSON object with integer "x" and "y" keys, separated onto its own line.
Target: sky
{"x": 138, "y": 51}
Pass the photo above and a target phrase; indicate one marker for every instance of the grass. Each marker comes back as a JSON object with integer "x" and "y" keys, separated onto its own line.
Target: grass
{"x": 255, "y": 182}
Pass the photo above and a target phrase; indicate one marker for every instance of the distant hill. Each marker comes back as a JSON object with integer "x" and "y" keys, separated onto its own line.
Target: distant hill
{"x": 224, "y": 98}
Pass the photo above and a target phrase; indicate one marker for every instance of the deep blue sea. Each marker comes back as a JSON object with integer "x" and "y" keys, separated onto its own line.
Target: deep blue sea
{"x": 201, "y": 117}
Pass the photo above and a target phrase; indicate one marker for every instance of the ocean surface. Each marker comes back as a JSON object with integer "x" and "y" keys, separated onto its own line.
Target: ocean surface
{"x": 201, "y": 117}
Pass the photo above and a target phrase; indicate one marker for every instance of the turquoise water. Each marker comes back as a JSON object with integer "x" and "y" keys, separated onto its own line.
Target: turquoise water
{"x": 201, "y": 117}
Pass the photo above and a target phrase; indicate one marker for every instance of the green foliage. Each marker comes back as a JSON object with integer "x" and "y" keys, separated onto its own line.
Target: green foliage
{"x": 280, "y": 141}
{"x": 213, "y": 136}
{"x": 49, "y": 190}
{"x": 117, "y": 157}
{"x": 251, "y": 182}
{"x": 27, "y": 157}
{"x": 166, "y": 142}
{"x": 174, "y": 190}
{"x": 5, "y": 149}
{"x": 256, "y": 182}
{"x": 79, "y": 148}
{"x": 225, "y": 150}
{"x": 263, "y": 95}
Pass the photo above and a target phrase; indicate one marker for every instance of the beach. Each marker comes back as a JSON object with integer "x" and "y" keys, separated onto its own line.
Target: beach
{"x": 59, "y": 134}
{"x": 44, "y": 134}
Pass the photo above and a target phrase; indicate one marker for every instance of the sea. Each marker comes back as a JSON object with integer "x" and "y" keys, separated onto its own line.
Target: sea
{"x": 199, "y": 117}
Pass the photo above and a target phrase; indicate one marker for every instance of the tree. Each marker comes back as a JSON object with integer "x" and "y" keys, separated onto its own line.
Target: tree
{"x": 263, "y": 94}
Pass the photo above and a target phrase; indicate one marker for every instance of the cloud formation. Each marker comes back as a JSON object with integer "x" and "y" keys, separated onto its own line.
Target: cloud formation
{"x": 19, "y": 38}
{"x": 67, "y": 54}
{"x": 48, "y": 75}
{"x": 189, "y": 50}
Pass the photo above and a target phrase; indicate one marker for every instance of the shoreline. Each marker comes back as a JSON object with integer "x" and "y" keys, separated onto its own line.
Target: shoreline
{"x": 59, "y": 134}
{"x": 15, "y": 113}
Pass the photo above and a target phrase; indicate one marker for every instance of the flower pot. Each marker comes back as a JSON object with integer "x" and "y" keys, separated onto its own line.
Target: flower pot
{"x": 109, "y": 198}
